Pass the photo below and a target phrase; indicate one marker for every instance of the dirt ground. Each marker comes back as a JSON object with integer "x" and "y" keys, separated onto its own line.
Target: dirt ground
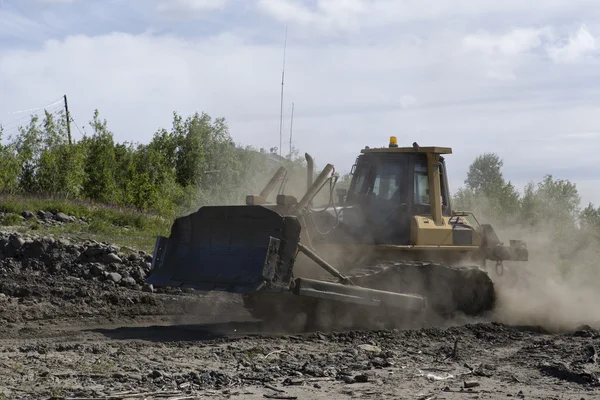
{"x": 72, "y": 329}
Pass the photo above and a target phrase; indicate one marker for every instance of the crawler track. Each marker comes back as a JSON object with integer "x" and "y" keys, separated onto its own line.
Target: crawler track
{"x": 450, "y": 291}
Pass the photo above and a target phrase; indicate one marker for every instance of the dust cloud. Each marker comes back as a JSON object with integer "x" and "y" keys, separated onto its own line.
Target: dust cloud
{"x": 557, "y": 289}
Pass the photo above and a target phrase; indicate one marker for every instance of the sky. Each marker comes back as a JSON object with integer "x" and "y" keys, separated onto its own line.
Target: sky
{"x": 513, "y": 77}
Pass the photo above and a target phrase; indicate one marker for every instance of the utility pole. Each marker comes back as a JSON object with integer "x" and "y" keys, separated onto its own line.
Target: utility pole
{"x": 68, "y": 118}
{"x": 281, "y": 109}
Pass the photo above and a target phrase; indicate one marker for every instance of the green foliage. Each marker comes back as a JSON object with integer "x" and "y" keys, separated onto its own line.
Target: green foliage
{"x": 100, "y": 162}
{"x": 10, "y": 219}
{"x": 194, "y": 163}
{"x": 485, "y": 184}
{"x": 487, "y": 191}
{"x": 123, "y": 225}
{"x": 589, "y": 219}
{"x": 9, "y": 167}
{"x": 549, "y": 208}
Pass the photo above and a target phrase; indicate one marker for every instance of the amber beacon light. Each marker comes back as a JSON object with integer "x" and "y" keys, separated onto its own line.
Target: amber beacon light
{"x": 393, "y": 141}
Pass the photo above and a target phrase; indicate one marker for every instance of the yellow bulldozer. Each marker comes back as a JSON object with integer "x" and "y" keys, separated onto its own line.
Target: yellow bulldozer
{"x": 388, "y": 250}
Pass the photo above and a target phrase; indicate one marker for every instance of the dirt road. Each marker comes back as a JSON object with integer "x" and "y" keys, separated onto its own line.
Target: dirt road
{"x": 173, "y": 357}
{"x": 71, "y": 328}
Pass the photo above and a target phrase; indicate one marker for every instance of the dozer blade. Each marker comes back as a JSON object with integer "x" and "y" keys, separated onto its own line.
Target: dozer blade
{"x": 238, "y": 249}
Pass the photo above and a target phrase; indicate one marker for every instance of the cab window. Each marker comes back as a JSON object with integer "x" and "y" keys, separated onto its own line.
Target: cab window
{"x": 421, "y": 185}
{"x": 387, "y": 177}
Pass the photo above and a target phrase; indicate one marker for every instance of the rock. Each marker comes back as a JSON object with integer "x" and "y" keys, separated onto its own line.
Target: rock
{"x": 369, "y": 348}
{"x": 93, "y": 251}
{"x": 61, "y": 217}
{"x": 27, "y": 214}
{"x": 148, "y": 288}
{"x": 110, "y": 258}
{"x": 16, "y": 241}
{"x": 46, "y": 215}
{"x": 129, "y": 281}
{"x": 362, "y": 378}
{"x": 138, "y": 273}
{"x": 312, "y": 370}
{"x": 135, "y": 377}
{"x": 97, "y": 270}
{"x": 114, "y": 277}
{"x": 155, "y": 374}
{"x": 351, "y": 351}
{"x": 34, "y": 249}
{"x": 471, "y": 384}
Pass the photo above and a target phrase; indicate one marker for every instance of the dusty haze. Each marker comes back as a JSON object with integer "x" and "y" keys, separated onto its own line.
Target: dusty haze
{"x": 550, "y": 290}
{"x": 555, "y": 293}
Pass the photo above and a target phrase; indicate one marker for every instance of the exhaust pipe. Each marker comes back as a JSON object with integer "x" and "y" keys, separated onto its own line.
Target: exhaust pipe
{"x": 310, "y": 170}
{"x": 313, "y": 189}
{"x": 271, "y": 184}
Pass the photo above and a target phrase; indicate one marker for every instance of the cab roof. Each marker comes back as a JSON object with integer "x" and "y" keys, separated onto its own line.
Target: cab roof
{"x": 423, "y": 150}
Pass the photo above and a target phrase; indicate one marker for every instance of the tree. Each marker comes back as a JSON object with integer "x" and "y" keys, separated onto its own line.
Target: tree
{"x": 53, "y": 162}
{"x": 487, "y": 190}
{"x": 100, "y": 162}
{"x": 485, "y": 176}
{"x": 589, "y": 220}
{"x": 9, "y": 166}
{"x": 28, "y": 146}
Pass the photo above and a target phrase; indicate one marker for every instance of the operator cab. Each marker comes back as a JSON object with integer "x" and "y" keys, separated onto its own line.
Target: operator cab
{"x": 392, "y": 184}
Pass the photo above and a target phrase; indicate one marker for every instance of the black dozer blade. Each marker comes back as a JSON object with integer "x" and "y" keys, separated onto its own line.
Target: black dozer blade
{"x": 238, "y": 249}
{"x": 247, "y": 249}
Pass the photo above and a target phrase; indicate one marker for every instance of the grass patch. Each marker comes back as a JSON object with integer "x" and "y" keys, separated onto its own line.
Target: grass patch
{"x": 10, "y": 219}
{"x": 106, "y": 223}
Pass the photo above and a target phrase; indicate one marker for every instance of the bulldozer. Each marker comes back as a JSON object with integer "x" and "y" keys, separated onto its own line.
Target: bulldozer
{"x": 388, "y": 250}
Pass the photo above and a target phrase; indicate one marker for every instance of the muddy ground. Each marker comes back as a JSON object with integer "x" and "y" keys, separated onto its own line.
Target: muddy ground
{"x": 77, "y": 322}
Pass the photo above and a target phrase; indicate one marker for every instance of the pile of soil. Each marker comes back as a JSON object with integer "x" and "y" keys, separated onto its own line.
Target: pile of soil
{"x": 46, "y": 278}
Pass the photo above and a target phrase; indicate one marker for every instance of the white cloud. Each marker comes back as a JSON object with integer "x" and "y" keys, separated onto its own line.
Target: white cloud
{"x": 353, "y": 14}
{"x": 580, "y": 44}
{"x": 14, "y": 25}
{"x": 500, "y": 55}
{"x": 422, "y": 71}
{"x": 57, "y": 1}
{"x": 328, "y": 14}
{"x": 517, "y": 41}
{"x": 191, "y": 5}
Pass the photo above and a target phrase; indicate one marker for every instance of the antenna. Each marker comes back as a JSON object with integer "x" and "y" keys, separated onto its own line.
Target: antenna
{"x": 281, "y": 110}
{"x": 291, "y": 125}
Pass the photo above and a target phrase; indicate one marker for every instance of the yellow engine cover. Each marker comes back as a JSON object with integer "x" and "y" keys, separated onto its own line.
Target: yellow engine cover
{"x": 454, "y": 231}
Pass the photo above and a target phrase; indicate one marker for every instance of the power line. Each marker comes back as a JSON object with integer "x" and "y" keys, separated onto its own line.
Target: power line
{"x": 77, "y": 126}
{"x": 24, "y": 118}
{"x": 37, "y": 108}
{"x": 48, "y": 106}
{"x": 55, "y": 107}
{"x": 13, "y": 126}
